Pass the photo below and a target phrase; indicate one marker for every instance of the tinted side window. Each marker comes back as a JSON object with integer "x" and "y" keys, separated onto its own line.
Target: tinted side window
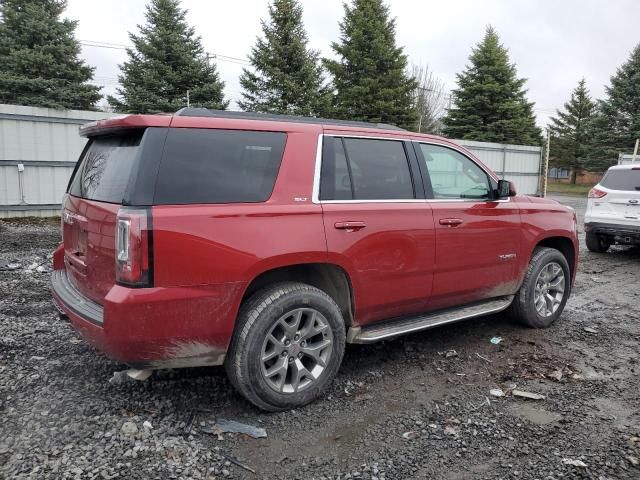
{"x": 106, "y": 167}
{"x": 628, "y": 180}
{"x": 453, "y": 175}
{"x": 335, "y": 181}
{"x": 218, "y": 166}
{"x": 379, "y": 169}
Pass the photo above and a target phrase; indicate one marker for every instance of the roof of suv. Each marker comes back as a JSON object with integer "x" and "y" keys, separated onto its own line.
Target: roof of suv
{"x": 628, "y": 166}
{"x": 204, "y": 118}
{"x": 204, "y": 112}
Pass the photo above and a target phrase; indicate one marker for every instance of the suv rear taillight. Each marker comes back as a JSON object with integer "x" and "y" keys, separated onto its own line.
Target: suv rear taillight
{"x": 596, "y": 193}
{"x": 134, "y": 247}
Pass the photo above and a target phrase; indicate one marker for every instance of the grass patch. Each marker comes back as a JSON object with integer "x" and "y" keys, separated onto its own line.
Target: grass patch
{"x": 568, "y": 188}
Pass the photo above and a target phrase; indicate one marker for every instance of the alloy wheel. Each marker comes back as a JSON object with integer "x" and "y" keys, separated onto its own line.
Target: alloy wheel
{"x": 296, "y": 351}
{"x": 549, "y": 289}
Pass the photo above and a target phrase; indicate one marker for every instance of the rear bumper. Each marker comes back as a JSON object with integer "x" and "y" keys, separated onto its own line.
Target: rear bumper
{"x": 66, "y": 295}
{"x": 622, "y": 233}
{"x": 154, "y": 327}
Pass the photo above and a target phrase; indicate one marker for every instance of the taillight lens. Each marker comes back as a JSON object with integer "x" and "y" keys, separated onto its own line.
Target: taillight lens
{"x": 133, "y": 248}
{"x": 596, "y": 193}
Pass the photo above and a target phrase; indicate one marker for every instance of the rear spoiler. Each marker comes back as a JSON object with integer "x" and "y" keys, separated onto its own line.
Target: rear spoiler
{"x": 124, "y": 122}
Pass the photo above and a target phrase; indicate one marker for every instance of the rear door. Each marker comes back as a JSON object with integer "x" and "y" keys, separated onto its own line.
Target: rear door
{"x": 622, "y": 202}
{"x": 101, "y": 183}
{"x": 377, "y": 224}
{"x": 477, "y": 238}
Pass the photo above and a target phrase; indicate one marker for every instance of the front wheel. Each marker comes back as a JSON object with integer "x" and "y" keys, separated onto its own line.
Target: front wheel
{"x": 288, "y": 346}
{"x": 545, "y": 290}
{"x": 597, "y": 243}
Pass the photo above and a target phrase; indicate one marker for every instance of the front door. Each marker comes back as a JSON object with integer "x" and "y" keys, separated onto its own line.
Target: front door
{"x": 477, "y": 237}
{"x": 377, "y": 226}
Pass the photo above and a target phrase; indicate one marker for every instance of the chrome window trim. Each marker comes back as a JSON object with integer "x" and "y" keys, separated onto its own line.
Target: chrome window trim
{"x": 315, "y": 196}
{"x": 315, "y": 193}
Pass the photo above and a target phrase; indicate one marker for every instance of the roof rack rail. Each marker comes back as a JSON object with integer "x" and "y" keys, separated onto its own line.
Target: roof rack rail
{"x": 205, "y": 112}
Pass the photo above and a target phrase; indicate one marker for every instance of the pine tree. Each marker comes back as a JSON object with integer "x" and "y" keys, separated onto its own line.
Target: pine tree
{"x": 616, "y": 125}
{"x": 369, "y": 76}
{"x": 490, "y": 103}
{"x": 570, "y": 130}
{"x": 286, "y": 76}
{"x": 39, "y": 57}
{"x": 167, "y": 61}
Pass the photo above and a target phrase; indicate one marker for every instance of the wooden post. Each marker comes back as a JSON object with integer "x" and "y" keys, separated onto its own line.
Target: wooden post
{"x": 545, "y": 170}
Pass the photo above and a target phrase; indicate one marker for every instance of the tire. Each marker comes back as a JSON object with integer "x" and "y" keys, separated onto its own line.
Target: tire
{"x": 597, "y": 243}
{"x": 275, "y": 310}
{"x": 523, "y": 308}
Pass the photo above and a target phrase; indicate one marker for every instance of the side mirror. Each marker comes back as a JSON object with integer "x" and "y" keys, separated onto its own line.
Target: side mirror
{"x": 506, "y": 189}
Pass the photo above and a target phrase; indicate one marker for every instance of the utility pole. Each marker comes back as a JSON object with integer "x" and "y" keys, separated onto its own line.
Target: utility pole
{"x": 545, "y": 170}
{"x": 188, "y": 101}
{"x": 635, "y": 151}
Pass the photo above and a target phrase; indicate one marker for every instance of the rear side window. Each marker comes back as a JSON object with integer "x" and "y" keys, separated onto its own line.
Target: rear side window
{"x": 218, "y": 166}
{"x": 628, "y": 180}
{"x": 366, "y": 169}
{"x": 105, "y": 168}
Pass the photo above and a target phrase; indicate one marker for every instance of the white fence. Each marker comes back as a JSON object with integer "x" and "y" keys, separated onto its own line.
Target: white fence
{"x": 624, "y": 159}
{"x": 39, "y": 148}
{"x": 520, "y": 164}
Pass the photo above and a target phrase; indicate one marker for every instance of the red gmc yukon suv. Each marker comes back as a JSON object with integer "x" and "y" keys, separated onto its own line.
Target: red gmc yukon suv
{"x": 265, "y": 243}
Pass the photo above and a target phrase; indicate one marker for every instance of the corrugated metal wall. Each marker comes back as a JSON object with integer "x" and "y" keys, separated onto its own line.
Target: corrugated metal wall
{"x": 46, "y": 144}
{"x": 518, "y": 163}
{"x": 624, "y": 159}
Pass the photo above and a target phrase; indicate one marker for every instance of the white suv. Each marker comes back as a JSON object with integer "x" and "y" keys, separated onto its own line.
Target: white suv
{"x": 613, "y": 209}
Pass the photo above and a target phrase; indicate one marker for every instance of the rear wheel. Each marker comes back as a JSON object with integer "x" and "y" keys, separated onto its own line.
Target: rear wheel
{"x": 545, "y": 290}
{"x": 597, "y": 243}
{"x": 288, "y": 346}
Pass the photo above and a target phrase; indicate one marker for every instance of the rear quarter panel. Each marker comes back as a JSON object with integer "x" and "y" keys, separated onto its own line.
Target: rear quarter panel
{"x": 228, "y": 245}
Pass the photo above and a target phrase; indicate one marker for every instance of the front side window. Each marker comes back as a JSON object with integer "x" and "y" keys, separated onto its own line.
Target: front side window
{"x": 365, "y": 169}
{"x": 454, "y": 176}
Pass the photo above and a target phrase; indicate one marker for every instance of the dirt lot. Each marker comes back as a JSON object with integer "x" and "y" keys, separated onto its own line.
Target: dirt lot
{"x": 416, "y": 407}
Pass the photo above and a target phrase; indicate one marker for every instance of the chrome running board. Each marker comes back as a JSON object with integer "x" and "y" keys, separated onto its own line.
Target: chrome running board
{"x": 394, "y": 328}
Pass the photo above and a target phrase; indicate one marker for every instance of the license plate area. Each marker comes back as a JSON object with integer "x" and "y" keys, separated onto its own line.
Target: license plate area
{"x": 75, "y": 241}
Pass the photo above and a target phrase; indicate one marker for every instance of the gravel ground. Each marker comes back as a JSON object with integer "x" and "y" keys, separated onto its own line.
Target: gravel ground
{"x": 415, "y": 407}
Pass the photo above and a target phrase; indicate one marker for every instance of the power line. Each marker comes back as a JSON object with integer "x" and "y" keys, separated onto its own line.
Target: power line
{"x": 119, "y": 46}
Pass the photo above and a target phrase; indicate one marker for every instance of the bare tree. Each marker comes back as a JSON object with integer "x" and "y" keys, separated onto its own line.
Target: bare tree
{"x": 430, "y": 99}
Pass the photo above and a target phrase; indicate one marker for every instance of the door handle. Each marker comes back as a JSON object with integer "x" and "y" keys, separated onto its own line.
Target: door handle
{"x": 450, "y": 222}
{"x": 350, "y": 226}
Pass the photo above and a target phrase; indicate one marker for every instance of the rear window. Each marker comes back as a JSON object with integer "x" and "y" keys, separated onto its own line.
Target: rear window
{"x": 218, "y": 166}
{"x": 105, "y": 168}
{"x": 622, "y": 180}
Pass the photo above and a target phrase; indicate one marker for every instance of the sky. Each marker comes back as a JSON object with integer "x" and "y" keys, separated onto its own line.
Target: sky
{"x": 553, "y": 43}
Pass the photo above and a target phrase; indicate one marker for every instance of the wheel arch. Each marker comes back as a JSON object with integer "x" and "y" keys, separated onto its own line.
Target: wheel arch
{"x": 565, "y": 246}
{"x": 328, "y": 277}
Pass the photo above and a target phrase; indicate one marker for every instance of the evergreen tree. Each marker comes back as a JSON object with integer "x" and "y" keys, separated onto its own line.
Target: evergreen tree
{"x": 616, "y": 125}
{"x": 490, "y": 103}
{"x": 369, "y": 76}
{"x": 287, "y": 77}
{"x": 39, "y": 57}
{"x": 167, "y": 61}
{"x": 570, "y": 131}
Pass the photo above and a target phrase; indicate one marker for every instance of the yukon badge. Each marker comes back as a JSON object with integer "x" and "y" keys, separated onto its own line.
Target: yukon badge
{"x": 507, "y": 256}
